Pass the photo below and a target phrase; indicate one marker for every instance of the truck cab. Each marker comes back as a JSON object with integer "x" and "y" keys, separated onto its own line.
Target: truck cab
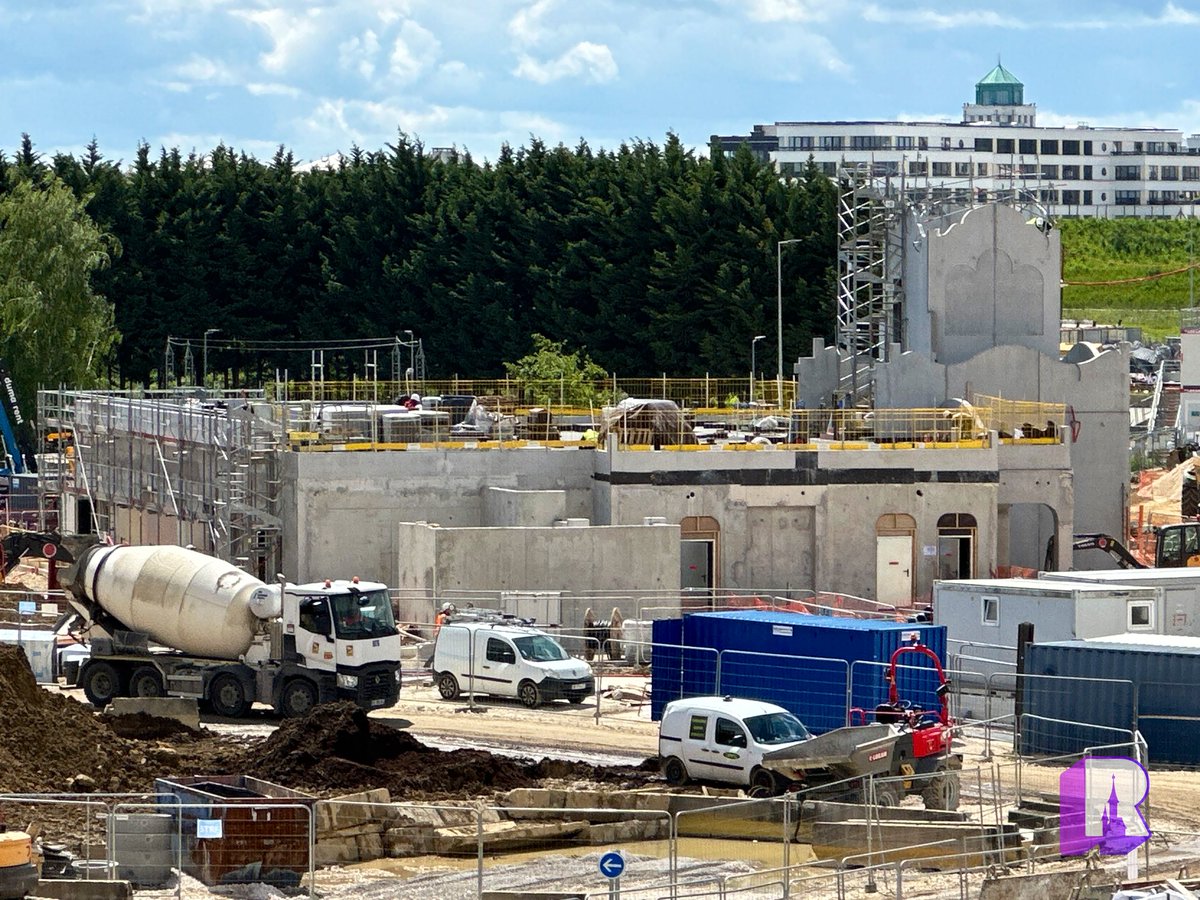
{"x": 724, "y": 739}
{"x": 345, "y": 629}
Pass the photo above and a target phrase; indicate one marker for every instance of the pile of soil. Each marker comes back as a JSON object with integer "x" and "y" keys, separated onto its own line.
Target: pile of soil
{"x": 338, "y": 749}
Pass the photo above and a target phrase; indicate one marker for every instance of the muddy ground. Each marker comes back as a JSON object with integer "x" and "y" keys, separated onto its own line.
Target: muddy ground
{"x": 50, "y": 743}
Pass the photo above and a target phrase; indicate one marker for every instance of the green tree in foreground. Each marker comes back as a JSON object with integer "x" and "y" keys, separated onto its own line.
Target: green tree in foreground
{"x": 54, "y": 328}
{"x": 552, "y": 375}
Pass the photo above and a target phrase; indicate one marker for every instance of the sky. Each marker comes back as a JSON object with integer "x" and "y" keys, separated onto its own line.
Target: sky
{"x": 321, "y": 76}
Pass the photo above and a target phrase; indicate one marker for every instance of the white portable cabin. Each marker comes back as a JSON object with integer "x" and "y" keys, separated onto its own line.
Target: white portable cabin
{"x": 982, "y": 615}
{"x": 1180, "y": 610}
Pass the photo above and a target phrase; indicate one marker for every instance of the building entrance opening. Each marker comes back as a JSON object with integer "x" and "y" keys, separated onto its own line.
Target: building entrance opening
{"x": 698, "y": 559}
{"x": 956, "y": 546}
{"x": 894, "y": 535}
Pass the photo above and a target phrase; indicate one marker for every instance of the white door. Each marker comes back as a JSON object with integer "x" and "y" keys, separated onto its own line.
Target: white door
{"x": 893, "y": 568}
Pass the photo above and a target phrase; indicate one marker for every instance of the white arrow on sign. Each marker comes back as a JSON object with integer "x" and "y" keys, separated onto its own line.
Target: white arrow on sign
{"x": 612, "y": 865}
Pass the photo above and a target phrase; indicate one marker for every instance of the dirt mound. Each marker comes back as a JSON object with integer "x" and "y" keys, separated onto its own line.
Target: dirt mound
{"x": 47, "y": 739}
{"x": 337, "y": 748}
{"x": 145, "y": 727}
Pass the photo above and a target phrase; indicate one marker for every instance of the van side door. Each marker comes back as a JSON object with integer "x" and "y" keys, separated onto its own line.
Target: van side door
{"x": 498, "y": 669}
{"x": 724, "y": 756}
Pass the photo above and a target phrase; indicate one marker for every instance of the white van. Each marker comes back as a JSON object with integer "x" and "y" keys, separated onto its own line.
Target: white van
{"x": 723, "y": 739}
{"x": 507, "y": 661}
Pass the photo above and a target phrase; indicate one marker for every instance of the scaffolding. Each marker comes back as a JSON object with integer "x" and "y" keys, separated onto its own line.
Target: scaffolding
{"x": 183, "y": 467}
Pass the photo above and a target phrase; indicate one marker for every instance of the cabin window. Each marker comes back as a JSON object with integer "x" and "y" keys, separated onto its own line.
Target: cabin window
{"x": 991, "y": 610}
{"x": 729, "y": 734}
{"x": 1141, "y": 615}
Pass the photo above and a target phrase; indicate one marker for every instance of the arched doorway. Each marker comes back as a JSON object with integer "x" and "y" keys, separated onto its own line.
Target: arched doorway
{"x": 894, "y": 538}
{"x": 698, "y": 554}
{"x": 956, "y": 545}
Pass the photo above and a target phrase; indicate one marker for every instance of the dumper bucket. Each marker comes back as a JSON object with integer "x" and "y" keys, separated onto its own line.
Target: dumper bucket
{"x": 856, "y": 750}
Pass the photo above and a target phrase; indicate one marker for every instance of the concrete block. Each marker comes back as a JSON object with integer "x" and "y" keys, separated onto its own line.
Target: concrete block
{"x": 353, "y": 831}
{"x": 178, "y": 708}
{"x": 84, "y": 890}
{"x": 350, "y": 809}
{"x": 535, "y": 798}
{"x": 408, "y": 841}
{"x": 533, "y": 895}
{"x": 829, "y": 811}
{"x": 506, "y": 837}
{"x": 1045, "y": 885}
{"x": 370, "y": 846}
{"x": 889, "y": 840}
{"x": 623, "y": 832}
{"x": 336, "y": 851}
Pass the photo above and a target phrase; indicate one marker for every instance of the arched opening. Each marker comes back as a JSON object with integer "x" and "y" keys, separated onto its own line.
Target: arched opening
{"x": 698, "y": 557}
{"x": 894, "y": 547}
{"x": 956, "y": 545}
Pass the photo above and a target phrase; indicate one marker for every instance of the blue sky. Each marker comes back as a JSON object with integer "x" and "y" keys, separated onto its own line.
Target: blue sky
{"x": 320, "y": 75}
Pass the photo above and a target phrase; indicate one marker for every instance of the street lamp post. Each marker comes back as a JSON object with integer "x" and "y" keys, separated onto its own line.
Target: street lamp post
{"x": 204, "y": 357}
{"x": 753, "y": 345}
{"x": 779, "y": 313}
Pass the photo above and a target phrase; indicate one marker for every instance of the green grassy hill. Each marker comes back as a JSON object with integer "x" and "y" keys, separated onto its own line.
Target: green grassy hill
{"x": 1106, "y": 250}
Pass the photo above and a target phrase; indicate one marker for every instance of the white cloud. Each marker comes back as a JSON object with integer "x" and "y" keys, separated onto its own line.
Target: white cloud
{"x": 592, "y": 62}
{"x": 1175, "y": 15}
{"x": 415, "y": 50}
{"x": 271, "y": 89}
{"x": 526, "y": 25}
{"x": 786, "y": 10}
{"x": 358, "y": 53}
{"x": 290, "y": 33}
{"x": 929, "y": 18}
{"x": 458, "y": 76}
{"x": 202, "y": 70}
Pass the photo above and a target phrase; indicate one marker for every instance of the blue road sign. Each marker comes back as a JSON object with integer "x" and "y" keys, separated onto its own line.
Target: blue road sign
{"x": 612, "y": 864}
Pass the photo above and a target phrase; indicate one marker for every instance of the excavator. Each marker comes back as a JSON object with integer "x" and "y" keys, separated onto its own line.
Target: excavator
{"x": 1177, "y": 546}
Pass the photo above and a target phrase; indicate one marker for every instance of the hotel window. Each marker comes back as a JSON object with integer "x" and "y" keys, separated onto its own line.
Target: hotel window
{"x": 941, "y": 170}
{"x": 1170, "y": 173}
{"x": 1152, "y": 173}
{"x": 1027, "y": 146}
{"x": 1155, "y": 147}
{"x": 1127, "y": 198}
{"x": 919, "y": 167}
{"x": 1087, "y": 148}
{"x": 983, "y": 144}
{"x": 962, "y": 170}
{"x": 1087, "y": 173}
{"x": 832, "y": 142}
{"x": 1004, "y": 145}
{"x": 922, "y": 143}
{"x": 906, "y": 143}
{"x": 1070, "y": 173}
{"x": 981, "y": 170}
{"x": 1027, "y": 170}
{"x": 1191, "y": 173}
{"x": 1087, "y": 198}
{"x": 828, "y": 168}
{"x": 1127, "y": 173}
{"x": 1050, "y": 171}
{"x": 1049, "y": 196}
{"x": 945, "y": 143}
{"x": 1049, "y": 148}
{"x": 1070, "y": 148}
{"x": 1071, "y": 198}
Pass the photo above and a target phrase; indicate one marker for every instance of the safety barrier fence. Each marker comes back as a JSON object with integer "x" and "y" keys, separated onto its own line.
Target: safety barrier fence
{"x": 572, "y": 840}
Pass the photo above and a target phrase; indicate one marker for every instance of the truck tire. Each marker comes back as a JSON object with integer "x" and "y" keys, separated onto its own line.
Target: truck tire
{"x": 763, "y": 783}
{"x": 100, "y": 683}
{"x": 298, "y": 698}
{"x": 674, "y": 771}
{"x": 227, "y": 696}
{"x": 942, "y": 790}
{"x": 529, "y": 695}
{"x": 887, "y": 795}
{"x": 448, "y": 686}
{"x": 146, "y": 682}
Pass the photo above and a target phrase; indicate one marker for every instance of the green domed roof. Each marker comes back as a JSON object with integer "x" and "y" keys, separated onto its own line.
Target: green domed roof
{"x": 999, "y": 87}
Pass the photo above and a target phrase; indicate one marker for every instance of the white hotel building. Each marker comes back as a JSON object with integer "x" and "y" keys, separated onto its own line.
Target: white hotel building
{"x": 998, "y": 151}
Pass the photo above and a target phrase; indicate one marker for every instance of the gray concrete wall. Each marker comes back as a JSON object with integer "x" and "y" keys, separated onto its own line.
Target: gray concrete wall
{"x": 504, "y": 506}
{"x": 993, "y": 280}
{"x": 624, "y": 559}
{"x": 341, "y": 510}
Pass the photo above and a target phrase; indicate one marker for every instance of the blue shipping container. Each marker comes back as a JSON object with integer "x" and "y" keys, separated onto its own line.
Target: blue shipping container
{"x": 811, "y": 665}
{"x": 1150, "y": 686}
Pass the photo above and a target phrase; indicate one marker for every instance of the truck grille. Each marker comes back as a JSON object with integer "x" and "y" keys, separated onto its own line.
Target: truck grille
{"x": 377, "y": 684}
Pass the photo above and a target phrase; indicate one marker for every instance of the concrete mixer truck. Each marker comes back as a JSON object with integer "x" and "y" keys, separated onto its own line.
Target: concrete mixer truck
{"x": 169, "y": 621}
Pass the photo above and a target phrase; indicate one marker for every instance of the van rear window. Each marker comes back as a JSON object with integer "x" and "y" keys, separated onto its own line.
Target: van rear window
{"x": 699, "y": 728}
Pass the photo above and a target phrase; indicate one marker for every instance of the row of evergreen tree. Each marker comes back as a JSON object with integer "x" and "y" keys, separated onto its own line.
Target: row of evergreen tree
{"x": 650, "y": 258}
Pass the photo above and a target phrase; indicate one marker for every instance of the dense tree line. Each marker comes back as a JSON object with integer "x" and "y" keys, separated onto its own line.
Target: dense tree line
{"x": 650, "y": 258}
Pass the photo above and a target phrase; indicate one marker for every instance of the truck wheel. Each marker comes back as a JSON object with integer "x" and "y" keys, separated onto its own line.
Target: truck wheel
{"x": 298, "y": 699}
{"x": 674, "y": 771}
{"x": 763, "y": 783}
{"x": 529, "y": 694}
{"x": 100, "y": 683}
{"x": 942, "y": 790}
{"x": 145, "y": 682}
{"x": 447, "y": 686}
{"x": 887, "y": 795}
{"x": 228, "y": 696}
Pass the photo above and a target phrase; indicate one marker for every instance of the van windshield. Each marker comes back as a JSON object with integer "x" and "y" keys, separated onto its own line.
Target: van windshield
{"x": 539, "y": 648}
{"x": 777, "y": 728}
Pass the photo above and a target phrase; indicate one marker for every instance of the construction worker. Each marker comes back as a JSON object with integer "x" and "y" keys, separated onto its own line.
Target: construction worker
{"x": 443, "y": 617}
